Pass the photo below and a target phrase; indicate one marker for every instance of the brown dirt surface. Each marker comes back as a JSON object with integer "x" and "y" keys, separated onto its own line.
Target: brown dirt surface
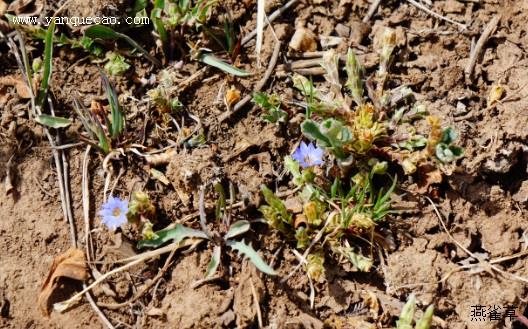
{"x": 483, "y": 201}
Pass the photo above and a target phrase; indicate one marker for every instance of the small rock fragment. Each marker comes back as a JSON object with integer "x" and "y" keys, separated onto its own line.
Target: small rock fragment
{"x": 303, "y": 40}
{"x": 330, "y": 41}
{"x": 342, "y": 30}
{"x": 522, "y": 194}
{"x": 358, "y": 31}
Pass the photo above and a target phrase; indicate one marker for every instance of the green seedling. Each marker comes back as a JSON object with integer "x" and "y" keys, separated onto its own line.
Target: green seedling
{"x": 116, "y": 64}
{"x": 102, "y": 136}
{"x": 169, "y": 17}
{"x": 44, "y": 119}
{"x": 359, "y": 211}
{"x": 228, "y": 38}
{"x": 271, "y": 104}
{"x": 219, "y": 239}
{"x": 142, "y": 212}
{"x": 104, "y": 32}
{"x": 445, "y": 150}
{"x": 406, "y": 319}
{"x": 353, "y": 128}
{"x": 48, "y": 56}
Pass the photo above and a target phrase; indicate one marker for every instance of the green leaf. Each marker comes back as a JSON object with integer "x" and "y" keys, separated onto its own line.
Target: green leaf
{"x": 52, "y": 121}
{"x": 221, "y": 202}
{"x": 253, "y": 256}
{"x": 214, "y": 262}
{"x": 177, "y": 234}
{"x": 407, "y": 314}
{"x": 294, "y": 169}
{"x": 276, "y": 204}
{"x": 117, "y": 125}
{"x": 427, "y": 318}
{"x": 155, "y": 16}
{"x": 139, "y": 5}
{"x": 330, "y": 134}
{"x": 48, "y": 56}
{"x": 219, "y": 64}
{"x": 116, "y": 64}
{"x": 448, "y": 153}
{"x": 361, "y": 262}
{"x": 237, "y": 228}
{"x": 311, "y": 129}
{"x": 107, "y": 33}
{"x": 449, "y": 135}
{"x": 101, "y": 32}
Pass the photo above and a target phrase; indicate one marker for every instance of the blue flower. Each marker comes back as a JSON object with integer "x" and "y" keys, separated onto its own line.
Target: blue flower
{"x": 114, "y": 212}
{"x": 308, "y": 155}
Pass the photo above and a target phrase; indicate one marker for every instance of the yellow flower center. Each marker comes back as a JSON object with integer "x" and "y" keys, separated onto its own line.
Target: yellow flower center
{"x": 116, "y": 212}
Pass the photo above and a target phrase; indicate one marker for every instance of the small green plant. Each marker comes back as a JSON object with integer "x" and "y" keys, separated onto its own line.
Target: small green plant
{"x": 142, "y": 213}
{"x": 116, "y": 64}
{"x": 103, "y": 131}
{"x": 39, "y": 33}
{"x": 353, "y": 128}
{"x": 164, "y": 96}
{"x": 330, "y": 217}
{"x": 333, "y": 215}
{"x": 220, "y": 239}
{"x": 271, "y": 104}
{"x": 171, "y": 17}
{"x": 407, "y": 316}
{"x": 103, "y": 32}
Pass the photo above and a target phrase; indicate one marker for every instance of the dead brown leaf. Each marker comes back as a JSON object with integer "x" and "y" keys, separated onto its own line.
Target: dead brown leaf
{"x": 3, "y": 8}
{"x": 71, "y": 264}
{"x": 26, "y": 7}
{"x": 427, "y": 176}
{"x": 21, "y": 87}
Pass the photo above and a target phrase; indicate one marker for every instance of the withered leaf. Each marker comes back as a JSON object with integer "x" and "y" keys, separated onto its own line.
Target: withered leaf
{"x": 71, "y": 264}
{"x": 18, "y": 83}
{"x": 427, "y": 176}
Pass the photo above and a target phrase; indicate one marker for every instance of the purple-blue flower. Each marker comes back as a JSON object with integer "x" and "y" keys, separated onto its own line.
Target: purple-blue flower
{"x": 114, "y": 212}
{"x": 308, "y": 155}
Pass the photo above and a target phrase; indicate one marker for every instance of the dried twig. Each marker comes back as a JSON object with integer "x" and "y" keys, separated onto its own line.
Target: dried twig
{"x": 476, "y": 52}
{"x": 145, "y": 288}
{"x": 430, "y": 12}
{"x": 307, "y": 251}
{"x": 270, "y": 19}
{"x": 132, "y": 261}
{"x": 260, "y": 28}
{"x": 489, "y": 265}
{"x": 257, "y": 305}
{"x": 201, "y": 208}
{"x": 372, "y": 10}
{"x": 86, "y": 205}
{"x": 262, "y": 82}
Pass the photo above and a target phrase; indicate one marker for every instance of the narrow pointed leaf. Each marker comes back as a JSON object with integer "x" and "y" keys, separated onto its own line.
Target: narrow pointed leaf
{"x": 220, "y": 64}
{"x": 237, "y": 228}
{"x": 48, "y": 56}
{"x": 253, "y": 256}
{"x": 101, "y": 32}
{"x": 52, "y": 121}
{"x": 427, "y": 318}
{"x": 176, "y": 234}
{"x": 214, "y": 262}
